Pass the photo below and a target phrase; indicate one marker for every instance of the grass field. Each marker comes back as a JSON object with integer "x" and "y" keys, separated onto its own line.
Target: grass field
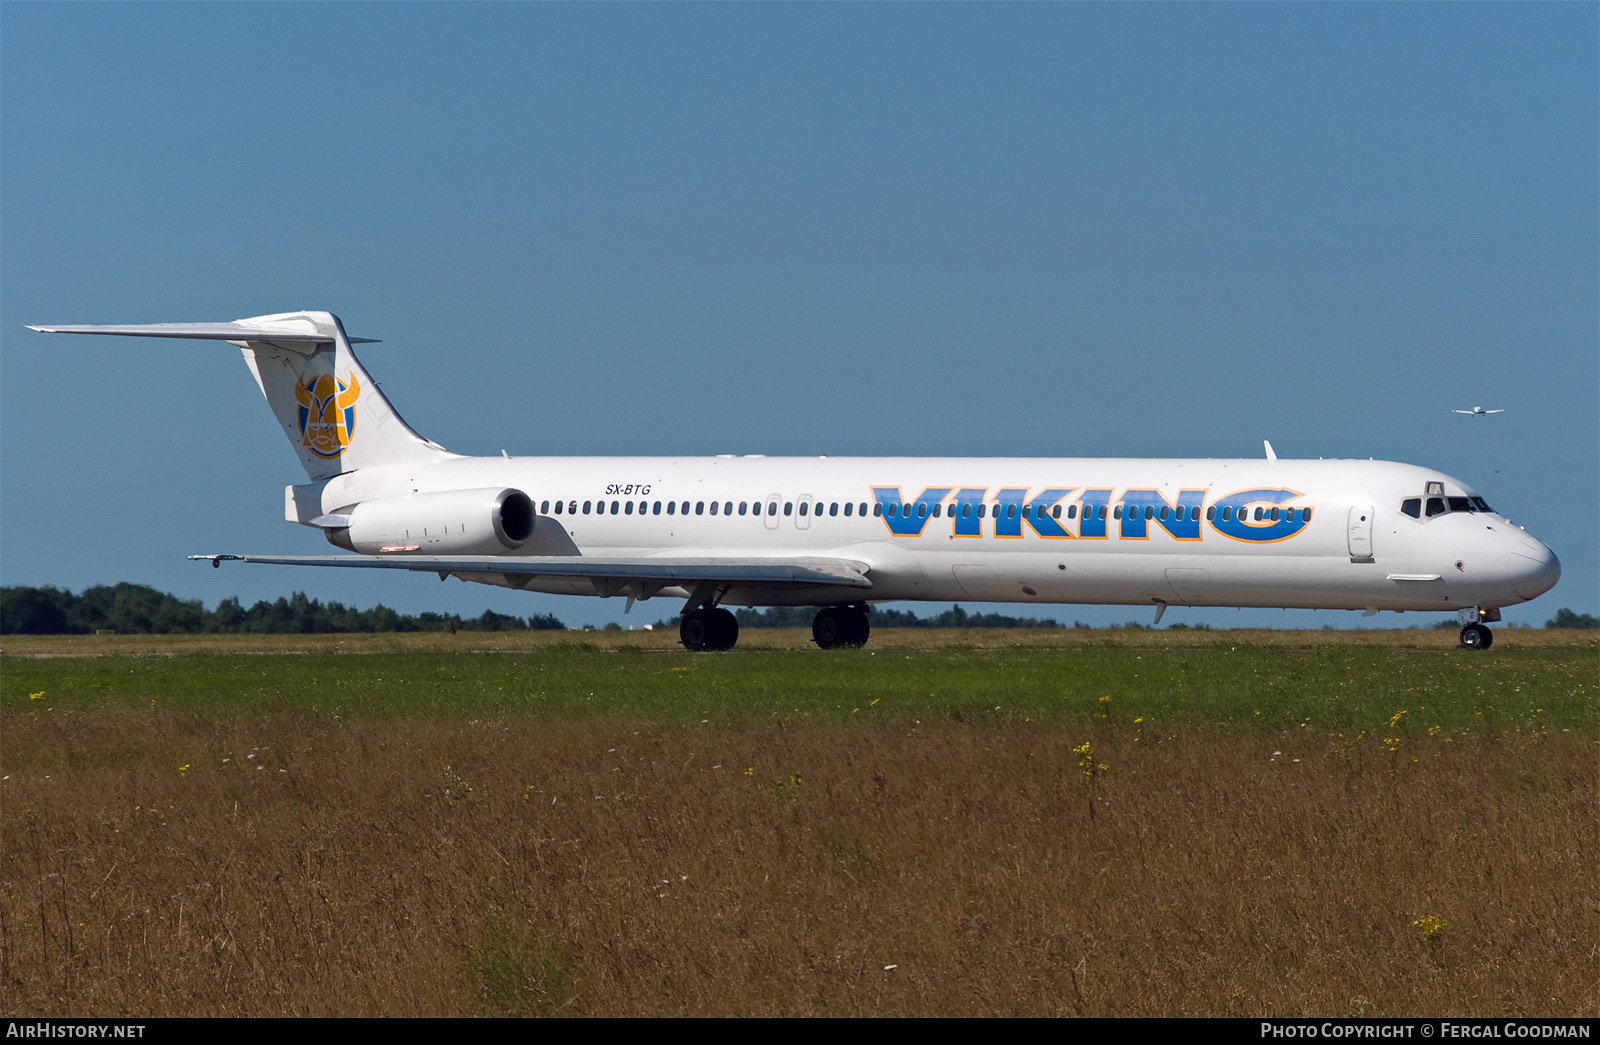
{"x": 944, "y": 823}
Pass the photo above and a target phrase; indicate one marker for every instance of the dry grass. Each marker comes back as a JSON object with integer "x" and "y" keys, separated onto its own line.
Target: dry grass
{"x": 172, "y": 862}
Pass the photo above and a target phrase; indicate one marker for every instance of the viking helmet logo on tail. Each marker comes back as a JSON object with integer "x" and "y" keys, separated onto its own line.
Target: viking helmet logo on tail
{"x": 327, "y": 412}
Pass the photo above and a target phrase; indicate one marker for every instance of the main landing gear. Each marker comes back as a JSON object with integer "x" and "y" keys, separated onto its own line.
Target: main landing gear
{"x": 711, "y": 629}
{"x": 708, "y": 629}
{"x": 837, "y": 626}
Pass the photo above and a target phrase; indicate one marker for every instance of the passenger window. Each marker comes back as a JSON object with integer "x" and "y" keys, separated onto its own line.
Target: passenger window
{"x": 1162, "y": 515}
{"x": 1435, "y": 506}
{"x": 670, "y": 506}
{"x": 713, "y": 507}
{"x": 788, "y": 507}
{"x": 936, "y": 510}
{"x": 877, "y": 510}
{"x": 847, "y": 506}
{"x": 1117, "y": 512}
{"x": 629, "y": 509}
{"x": 1055, "y": 512}
{"x": 1149, "y": 511}
{"x": 655, "y": 509}
{"x": 1305, "y": 515}
{"x": 833, "y": 509}
{"x": 558, "y": 507}
{"x": 699, "y": 507}
{"x": 922, "y": 511}
{"x": 1072, "y": 511}
{"x": 1227, "y": 513}
{"x": 742, "y": 506}
{"x": 805, "y": 508}
{"x": 727, "y": 508}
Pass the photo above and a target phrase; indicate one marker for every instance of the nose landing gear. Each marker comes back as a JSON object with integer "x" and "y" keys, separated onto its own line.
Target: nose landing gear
{"x": 1474, "y": 633}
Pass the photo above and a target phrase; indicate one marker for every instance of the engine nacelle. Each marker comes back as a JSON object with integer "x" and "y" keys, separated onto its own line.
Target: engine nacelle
{"x": 460, "y": 522}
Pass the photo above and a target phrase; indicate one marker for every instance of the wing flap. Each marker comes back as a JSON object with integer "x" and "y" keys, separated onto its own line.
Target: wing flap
{"x": 846, "y": 573}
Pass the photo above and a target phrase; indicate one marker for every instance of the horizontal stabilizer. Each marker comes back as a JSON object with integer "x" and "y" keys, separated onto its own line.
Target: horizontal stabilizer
{"x": 845, "y": 573}
{"x": 286, "y": 332}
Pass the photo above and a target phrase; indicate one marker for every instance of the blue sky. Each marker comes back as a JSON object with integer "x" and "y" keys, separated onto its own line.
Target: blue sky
{"x": 1039, "y": 230}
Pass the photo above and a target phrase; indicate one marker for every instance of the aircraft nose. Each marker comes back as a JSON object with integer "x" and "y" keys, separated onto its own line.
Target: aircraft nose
{"x": 1534, "y": 569}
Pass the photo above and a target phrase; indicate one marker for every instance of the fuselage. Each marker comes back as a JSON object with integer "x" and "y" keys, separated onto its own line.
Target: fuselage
{"x": 1336, "y": 534}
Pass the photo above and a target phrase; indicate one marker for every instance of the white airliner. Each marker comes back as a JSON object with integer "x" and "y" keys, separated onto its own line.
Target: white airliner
{"x": 1478, "y": 411}
{"x": 841, "y": 533}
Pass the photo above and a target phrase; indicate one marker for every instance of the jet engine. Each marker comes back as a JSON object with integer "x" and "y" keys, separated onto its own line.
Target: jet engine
{"x": 460, "y": 522}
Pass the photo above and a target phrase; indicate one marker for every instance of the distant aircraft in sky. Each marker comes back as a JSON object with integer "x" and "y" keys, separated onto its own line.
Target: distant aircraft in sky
{"x": 1477, "y": 411}
{"x": 840, "y": 533}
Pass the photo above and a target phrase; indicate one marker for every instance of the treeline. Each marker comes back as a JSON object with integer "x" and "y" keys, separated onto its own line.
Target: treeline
{"x": 135, "y": 609}
{"x": 1566, "y": 618}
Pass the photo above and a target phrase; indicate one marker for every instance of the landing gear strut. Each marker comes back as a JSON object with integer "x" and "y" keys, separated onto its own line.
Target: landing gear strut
{"x": 837, "y": 626}
{"x": 1476, "y": 636}
{"x": 708, "y": 629}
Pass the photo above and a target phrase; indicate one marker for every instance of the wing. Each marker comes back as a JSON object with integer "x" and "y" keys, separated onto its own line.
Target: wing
{"x": 607, "y": 573}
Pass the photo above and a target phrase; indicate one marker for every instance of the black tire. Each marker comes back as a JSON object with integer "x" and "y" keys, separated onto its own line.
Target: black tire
{"x": 857, "y": 627}
{"x": 724, "y": 629}
{"x": 828, "y": 631}
{"x": 1476, "y": 636}
{"x": 694, "y": 631}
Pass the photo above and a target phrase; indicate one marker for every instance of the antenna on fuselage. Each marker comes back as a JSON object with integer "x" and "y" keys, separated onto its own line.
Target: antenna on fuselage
{"x": 1271, "y": 454}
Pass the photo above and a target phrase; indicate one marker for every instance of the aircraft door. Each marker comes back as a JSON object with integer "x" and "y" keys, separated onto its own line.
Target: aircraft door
{"x": 802, "y": 511}
{"x": 1360, "y": 534}
{"x": 770, "y": 520}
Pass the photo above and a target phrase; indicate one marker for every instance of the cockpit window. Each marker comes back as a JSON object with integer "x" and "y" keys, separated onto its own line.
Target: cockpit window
{"x": 1441, "y": 505}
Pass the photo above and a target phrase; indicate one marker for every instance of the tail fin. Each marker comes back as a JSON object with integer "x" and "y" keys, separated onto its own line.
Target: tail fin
{"x": 331, "y": 410}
